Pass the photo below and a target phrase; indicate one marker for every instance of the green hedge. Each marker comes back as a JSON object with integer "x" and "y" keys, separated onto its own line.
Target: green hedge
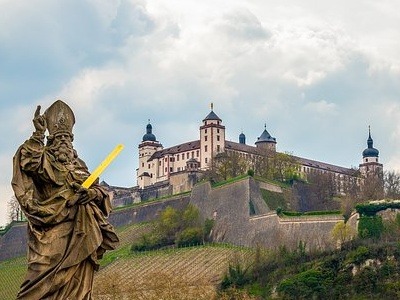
{"x": 370, "y": 209}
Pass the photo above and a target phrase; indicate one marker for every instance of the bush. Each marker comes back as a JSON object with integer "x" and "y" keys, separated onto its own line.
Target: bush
{"x": 370, "y": 227}
{"x": 148, "y": 241}
{"x": 358, "y": 256}
{"x": 306, "y": 285}
{"x": 236, "y": 277}
{"x": 189, "y": 237}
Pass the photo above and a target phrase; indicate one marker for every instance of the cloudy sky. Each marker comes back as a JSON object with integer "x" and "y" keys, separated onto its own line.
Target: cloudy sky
{"x": 316, "y": 72}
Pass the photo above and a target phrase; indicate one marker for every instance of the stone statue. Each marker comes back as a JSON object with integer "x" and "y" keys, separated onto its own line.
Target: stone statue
{"x": 67, "y": 227}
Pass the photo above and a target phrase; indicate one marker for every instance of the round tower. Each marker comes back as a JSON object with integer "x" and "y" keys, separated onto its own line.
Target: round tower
{"x": 266, "y": 141}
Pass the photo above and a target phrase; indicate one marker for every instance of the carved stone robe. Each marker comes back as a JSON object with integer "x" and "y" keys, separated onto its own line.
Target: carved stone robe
{"x": 65, "y": 240}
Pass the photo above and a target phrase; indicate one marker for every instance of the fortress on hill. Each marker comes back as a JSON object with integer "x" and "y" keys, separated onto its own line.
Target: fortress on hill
{"x": 181, "y": 166}
{"x": 241, "y": 215}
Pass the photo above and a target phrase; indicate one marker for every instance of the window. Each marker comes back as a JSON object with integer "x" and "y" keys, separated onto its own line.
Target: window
{"x": 205, "y": 138}
{"x": 218, "y": 148}
{"x": 205, "y": 131}
{"x": 148, "y": 166}
{"x": 171, "y": 159}
{"x": 177, "y": 157}
{"x": 218, "y": 138}
{"x": 205, "y": 148}
{"x": 206, "y": 160}
{"x": 183, "y": 156}
{"x": 179, "y": 169}
{"x": 171, "y": 169}
{"x": 166, "y": 169}
{"x": 187, "y": 155}
{"x": 218, "y": 128}
{"x": 192, "y": 154}
{"x": 197, "y": 153}
{"x": 142, "y": 164}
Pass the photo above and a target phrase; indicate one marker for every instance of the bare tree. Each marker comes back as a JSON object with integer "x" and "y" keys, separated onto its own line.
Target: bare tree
{"x": 392, "y": 184}
{"x": 14, "y": 210}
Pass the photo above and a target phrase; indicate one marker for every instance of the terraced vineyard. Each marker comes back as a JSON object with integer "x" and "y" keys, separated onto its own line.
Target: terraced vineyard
{"x": 185, "y": 273}
{"x": 179, "y": 274}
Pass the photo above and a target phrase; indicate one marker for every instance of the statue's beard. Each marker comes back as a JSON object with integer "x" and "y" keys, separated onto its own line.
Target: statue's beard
{"x": 63, "y": 151}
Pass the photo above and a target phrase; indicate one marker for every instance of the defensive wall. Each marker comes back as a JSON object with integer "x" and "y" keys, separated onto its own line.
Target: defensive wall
{"x": 14, "y": 242}
{"x": 236, "y": 223}
{"x": 240, "y": 213}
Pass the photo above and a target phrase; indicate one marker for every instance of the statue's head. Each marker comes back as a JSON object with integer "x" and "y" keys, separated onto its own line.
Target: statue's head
{"x": 60, "y": 120}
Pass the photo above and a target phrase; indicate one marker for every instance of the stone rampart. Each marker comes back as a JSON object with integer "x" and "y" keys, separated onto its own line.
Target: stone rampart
{"x": 14, "y": 242}
{"x": 240, "y": 213}
{"x": 229, "y": 207}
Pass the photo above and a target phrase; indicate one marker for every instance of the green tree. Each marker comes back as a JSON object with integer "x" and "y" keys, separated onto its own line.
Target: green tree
{"x": 343, "y": 232}
{"x": 168, "y": 225}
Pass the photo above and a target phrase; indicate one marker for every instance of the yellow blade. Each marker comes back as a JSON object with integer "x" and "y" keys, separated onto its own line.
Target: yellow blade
{"x": 104, "y": 164}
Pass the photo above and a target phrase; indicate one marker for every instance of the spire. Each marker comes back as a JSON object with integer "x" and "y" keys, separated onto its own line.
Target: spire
{"x": 212, "y": 106}
{"x": 370, "y": 151}
{"x": 370, "y": 141}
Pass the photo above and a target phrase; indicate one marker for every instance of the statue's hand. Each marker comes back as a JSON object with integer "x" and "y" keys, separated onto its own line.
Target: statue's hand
{"x": 39, "y": 121}
{"x": 83, "y": 195}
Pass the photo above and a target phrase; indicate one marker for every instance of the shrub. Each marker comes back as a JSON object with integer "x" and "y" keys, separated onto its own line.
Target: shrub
{"x": 358, "y": 256}
{"x": 148, "y": 241}
{"x": 190, "y": 236}
{"x": 370, "y": 227}
{"x": 306, "y": 285}
{"x": 236, "y": 277}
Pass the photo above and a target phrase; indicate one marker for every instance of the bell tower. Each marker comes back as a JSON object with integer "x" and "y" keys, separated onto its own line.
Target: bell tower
{"x": 212, "y": 139}
{"x": 147, "y": 171}
{"x": 370, "y": 165}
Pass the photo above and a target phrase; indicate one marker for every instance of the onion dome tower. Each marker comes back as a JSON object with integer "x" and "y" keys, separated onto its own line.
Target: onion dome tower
{"x": 146, "y": 172}
{"x": 149, "y": 136}
{"x": 370, "y": 164}
{"x": 266, "y": 141}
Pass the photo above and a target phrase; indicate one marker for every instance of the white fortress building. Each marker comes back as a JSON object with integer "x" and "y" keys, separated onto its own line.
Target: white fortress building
{"x": 180, "y": 166}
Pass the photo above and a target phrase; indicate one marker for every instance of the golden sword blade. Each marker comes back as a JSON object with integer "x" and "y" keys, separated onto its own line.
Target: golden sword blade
{"x": 104, "y": 164}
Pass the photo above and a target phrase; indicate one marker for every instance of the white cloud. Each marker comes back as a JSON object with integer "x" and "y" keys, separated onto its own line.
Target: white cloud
{"x": 321, "y": 107}
{"x": 300, "y": 67}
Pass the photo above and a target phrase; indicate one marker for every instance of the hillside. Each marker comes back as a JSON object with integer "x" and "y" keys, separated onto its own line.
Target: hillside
{"x": 187, "y": 273}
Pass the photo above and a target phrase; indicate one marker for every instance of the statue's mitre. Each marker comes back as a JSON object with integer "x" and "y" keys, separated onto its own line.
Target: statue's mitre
{"x": 59, "y": 118}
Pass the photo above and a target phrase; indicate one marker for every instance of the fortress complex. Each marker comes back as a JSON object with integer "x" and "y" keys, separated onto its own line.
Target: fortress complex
{"x": 181, "y": 166}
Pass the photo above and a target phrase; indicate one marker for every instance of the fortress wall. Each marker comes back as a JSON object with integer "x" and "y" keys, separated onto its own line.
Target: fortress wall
{"x": 146, "y": 212}
{"x": 14, "y": 242}
{"x": 229, "y": 206}
{"x": 270, "y": 187}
